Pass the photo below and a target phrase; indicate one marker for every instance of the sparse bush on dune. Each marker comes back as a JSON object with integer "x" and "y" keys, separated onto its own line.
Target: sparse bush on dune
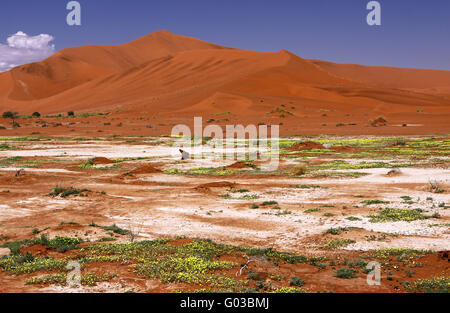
{"x": 9, "y": 114}
{"x": 379, "y": 121}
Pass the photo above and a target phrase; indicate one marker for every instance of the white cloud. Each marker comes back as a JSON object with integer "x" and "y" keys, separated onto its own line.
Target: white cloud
{"x": 21, "y": 49}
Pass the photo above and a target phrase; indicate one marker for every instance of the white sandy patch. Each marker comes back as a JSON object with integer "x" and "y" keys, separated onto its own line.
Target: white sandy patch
{"x": 423, "y": 243}
{"x": 409, "y": 175}
{"x": 28, "y": 207}
{"x": 6, "y": 213}
{"x": 89, "y": 151}
{"x": 419, "y": 227}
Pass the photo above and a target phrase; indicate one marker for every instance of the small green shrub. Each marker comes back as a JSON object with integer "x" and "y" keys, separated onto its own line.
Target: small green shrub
{"x": 338, "y": 243}
{"x": 65, "y": 192}
{"x": 337, "y": 230}
{"x": 254, "y": 276}
{"x": 370, "y": 202}
{"x": 346, "y": 273}
{"x": 9, "y": 114}
{"x": 103, "y": 239}
{"x": 241, "y": 191}
{"x": 116, "y": 229}
{"x": 296, "y": 281}
{"x": 311, "y": 210}
{"x": 265, "y": 203}
{"x": 353, "y": 218}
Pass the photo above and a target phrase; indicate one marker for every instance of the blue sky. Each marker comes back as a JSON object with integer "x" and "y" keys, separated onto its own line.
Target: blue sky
{"x": 414, "y": 33}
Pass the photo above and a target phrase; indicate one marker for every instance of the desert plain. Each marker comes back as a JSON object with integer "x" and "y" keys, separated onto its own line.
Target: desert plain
{"x": 89, "y": 173}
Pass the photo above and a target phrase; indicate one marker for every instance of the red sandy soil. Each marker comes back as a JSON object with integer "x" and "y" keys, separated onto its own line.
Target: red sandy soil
{"x": 102, "y": 160}
{"x": 222, "y": 184}
{"x": 238, "y": 165}
{"x": 206, "y": 188}
{"x": 162, "y": 79}
{"x": 308, "y": 145}
{"x": 145, "y": 169}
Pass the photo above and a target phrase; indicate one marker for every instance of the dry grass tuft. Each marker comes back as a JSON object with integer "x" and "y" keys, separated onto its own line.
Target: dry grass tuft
{"x": 299, "y": 169}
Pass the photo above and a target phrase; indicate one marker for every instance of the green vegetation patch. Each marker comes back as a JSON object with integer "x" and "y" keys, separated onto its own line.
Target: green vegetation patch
{"x": 27, "y": 264}
{"x": 113, "y": 228}
{"x": 266, "y": 203}
{"x": 434, "y": 285}
{"x": 61, "y": 244}
{"x": 343, "y": 165}
{"x": 371, "y": 202}
{"x": 188, "y": 269}
{"x": 346, "y": 273}
{"x": 297, "y": 281}
{"x": 400, "y": 254}
{"x": 7, "y": 162}
{"x": 197, "y": 262}
{"x": 210, "y": 171}
{"x": 337, "y": 230}
{"x": 89, "y": 279}
{"x": 395, "y": 215}
{"x": 312, "y": 210}
{"x": 89, "y": 165}
{"x": 193, "y": 263}
{"x": 310, "y": 187}
{"x": 290, "y": 290}
{"x": 65, "y": 192}
{"x": 336, "y": 174}
{"x": 338, "y": 243}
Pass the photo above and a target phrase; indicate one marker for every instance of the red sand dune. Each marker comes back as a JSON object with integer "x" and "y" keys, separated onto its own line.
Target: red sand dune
{"x": 179, "y": 77}
{"x": 431, "y": 81}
